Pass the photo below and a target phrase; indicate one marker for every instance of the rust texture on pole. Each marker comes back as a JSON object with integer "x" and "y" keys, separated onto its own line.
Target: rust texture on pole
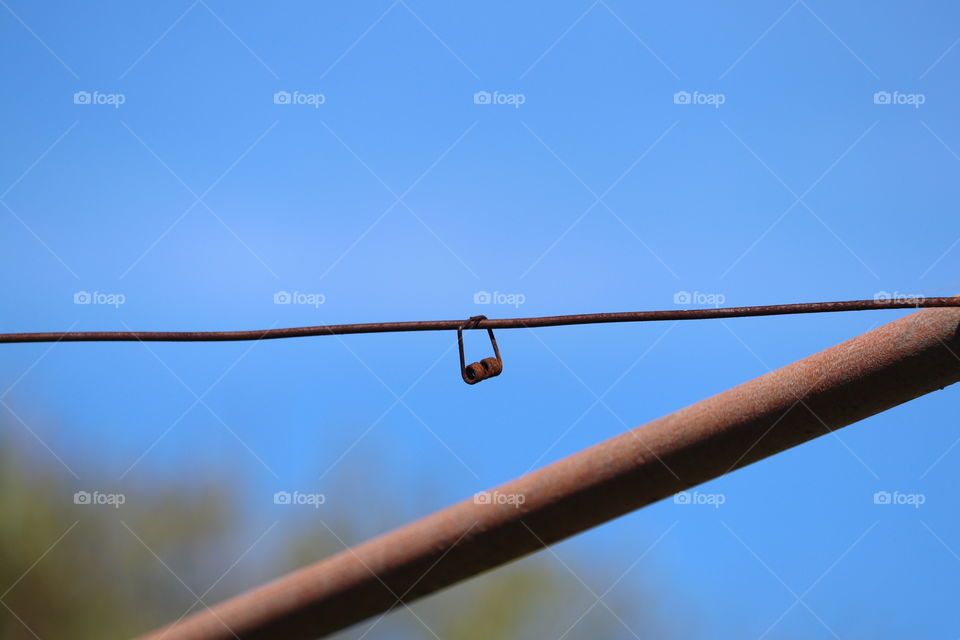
{"x": 836, "y": 387}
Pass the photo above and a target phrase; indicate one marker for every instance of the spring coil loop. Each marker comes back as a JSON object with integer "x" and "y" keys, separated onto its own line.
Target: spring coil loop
{"x": 488, "y": 367}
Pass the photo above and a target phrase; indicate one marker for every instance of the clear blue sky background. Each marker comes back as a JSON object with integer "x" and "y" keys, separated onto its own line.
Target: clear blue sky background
{"x": 400, "y": 198}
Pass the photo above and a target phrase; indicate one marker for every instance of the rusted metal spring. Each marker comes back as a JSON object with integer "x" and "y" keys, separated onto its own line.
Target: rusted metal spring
{"x": 846, "y": 383}
{"x": 484, "y": 369}
{"x": 502, "y": 323}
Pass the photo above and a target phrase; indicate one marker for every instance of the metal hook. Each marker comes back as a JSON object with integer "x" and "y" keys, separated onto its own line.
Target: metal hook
{"x": 486, "y": 368}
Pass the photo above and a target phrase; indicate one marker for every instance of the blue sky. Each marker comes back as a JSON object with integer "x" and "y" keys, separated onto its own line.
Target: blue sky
{"x": 151, "y": 158}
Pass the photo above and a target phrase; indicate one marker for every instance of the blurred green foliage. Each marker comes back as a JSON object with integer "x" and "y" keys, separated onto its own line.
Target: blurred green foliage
{"x": 80, "y": 571}
{"x": 87, "y": 571}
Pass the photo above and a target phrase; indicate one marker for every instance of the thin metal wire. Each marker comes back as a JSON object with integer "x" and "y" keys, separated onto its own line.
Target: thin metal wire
{"x": 501, "y": 323}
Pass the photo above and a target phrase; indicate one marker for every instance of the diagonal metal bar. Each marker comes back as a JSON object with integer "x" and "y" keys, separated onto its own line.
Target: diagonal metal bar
{"x": 846, "y": 383}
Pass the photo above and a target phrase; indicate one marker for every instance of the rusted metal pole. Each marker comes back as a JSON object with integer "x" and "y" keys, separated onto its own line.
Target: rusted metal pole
{"x": 831, "y": 389}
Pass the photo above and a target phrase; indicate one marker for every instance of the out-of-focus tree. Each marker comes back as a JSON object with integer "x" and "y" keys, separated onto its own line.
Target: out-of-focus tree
{"x": 93, "y": 571}
{"x": 70, "y": 568}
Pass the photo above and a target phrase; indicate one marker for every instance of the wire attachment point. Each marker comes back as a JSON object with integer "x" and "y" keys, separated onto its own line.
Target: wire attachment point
{"x": 486, "y": 368}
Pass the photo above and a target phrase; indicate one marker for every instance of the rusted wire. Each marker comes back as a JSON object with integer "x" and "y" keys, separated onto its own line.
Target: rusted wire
{"x": 501, "y": 323}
